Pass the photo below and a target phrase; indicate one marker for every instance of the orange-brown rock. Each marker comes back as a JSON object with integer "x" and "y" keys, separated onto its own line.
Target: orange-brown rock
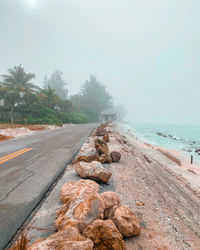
{"x": 69, "y": 238}
{"x": 105, "y": 235}
{"x": 105, "y": 158}
{"x": 93, "y": 170}
{"x": 111, "y": 201}
{"x": 106, "y": 138}
{"x": 84, "y": 208}
{"x": 88, "y": 156}
{"x": 126, "y": 221}
{"x": 116, "y": 156}
{"x": 101, "y": 147}
{"x": 72, "y": 189}
{"x": 100, "y": 131}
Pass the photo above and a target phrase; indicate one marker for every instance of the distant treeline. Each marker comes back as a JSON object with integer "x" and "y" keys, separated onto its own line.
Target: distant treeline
{"x": 21, "y": 101}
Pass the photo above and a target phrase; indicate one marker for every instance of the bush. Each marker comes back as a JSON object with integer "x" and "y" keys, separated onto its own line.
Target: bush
{"x": 44, "y": 120}
{"x": 74, "y": 118}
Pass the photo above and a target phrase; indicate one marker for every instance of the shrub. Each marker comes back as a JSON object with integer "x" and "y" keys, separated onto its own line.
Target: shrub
{"x": 73, "y": 118}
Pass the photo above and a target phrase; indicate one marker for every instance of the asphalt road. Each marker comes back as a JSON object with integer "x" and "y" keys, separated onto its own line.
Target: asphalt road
{"x": 28, "y": 167}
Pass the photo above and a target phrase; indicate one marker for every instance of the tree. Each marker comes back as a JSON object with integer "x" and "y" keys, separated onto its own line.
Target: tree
{"x": 16, "y": 84}
{"x": 56, "y": 82}
{"x": 49, "y": 97}
{"x": 77, "y": 103}
{"x": 94, "y": 98}
{"x": 65, "y": 106}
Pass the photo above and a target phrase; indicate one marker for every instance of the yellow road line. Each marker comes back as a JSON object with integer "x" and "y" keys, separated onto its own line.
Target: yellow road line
{"x": 12, "y": 154}
{"x": 15, "y": 155}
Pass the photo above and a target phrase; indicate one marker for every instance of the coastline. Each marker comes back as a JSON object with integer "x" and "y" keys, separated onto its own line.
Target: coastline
{"x": 164, "y": 195}
{"x": 178, "y": 138}
{"x": 174, "y": 160}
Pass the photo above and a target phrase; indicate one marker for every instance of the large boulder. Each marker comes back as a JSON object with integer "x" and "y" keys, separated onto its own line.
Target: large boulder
{"x": 87, "y": 156}
{"x": 69, "y": 238}
{"x": 116, "y": 156}
{"x": 84, "y": 208}
{"x": 72, "y": 189}
{"x": 101, "y": 147}
{"x": 105, "y": 235}
{"x": 111, "y": 201}
{"x": 126, "y": 221}
{"x": 93, "y": 170}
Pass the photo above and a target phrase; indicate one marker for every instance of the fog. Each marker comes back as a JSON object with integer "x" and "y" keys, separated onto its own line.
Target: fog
{"x": 146, "y": 52}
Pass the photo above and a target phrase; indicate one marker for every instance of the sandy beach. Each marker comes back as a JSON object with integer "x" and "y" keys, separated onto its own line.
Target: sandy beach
{"x": 159, "y": 185}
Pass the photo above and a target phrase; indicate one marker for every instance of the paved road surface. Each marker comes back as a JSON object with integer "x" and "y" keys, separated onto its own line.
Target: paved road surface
{"x": 28, "y": 167}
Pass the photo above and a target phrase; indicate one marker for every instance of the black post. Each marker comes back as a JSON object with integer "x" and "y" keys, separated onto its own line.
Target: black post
{"x": 191, "y": 159}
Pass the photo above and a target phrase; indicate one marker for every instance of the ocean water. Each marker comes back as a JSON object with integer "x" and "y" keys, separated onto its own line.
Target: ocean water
{"x": 183, "y": 138}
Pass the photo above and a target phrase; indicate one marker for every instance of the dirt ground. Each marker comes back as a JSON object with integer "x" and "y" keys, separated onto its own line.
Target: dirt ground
{"x": 31, "y": 127}
{"x": 7, "y": 131}
{"x": 5, "y": 138}
{"x": 167, "y": 206}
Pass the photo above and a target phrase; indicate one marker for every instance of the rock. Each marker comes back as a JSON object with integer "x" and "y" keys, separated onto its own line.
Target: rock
{"x": 101, "y": 147}
{"x": 147, "y": 159}
{"x": 197, "y": 150}
{"x": 105, "y": 235}
{"x": 116, "y": 156}
{"x": 100, "y": 131}
{"x": 126, "y": 221}
{"x": 88, "y": 156}
{"x": 69, "y": 238}
{"x": 84, "y": 208}
{"x": 161, "y": 134}
{"x": 138, "y": 203}
{"x": 106, "y": 158}
{"x": 93, "y": 170}
{"x": 106, "y": 138}
{"x": 72, "y": 189}
{"x": 111, "y": 201}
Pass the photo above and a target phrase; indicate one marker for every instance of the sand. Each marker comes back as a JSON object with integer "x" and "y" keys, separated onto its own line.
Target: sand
{"x": 7, "y": 132}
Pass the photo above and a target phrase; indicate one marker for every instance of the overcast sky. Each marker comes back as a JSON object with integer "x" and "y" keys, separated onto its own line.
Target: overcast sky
{"x": 146, "y": 52}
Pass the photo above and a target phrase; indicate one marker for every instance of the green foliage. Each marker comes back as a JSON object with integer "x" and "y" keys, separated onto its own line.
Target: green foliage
{"x": 57, "y": 83}
{"x": 43, "y": 115}
{"x": 74, "y": 118}
{"x": 49, "y": 97}
{"x": 28, "y": 103}
{"x": 92, "y": 100}
{"x": 15, "y": 85}
{"x": 45, "y": 120}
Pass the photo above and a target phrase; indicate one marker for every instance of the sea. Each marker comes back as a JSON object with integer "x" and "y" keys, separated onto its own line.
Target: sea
{"x": 182, "y": 138}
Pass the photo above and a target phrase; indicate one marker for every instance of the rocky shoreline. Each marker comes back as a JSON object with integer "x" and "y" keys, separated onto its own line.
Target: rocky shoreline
{"x": 132, "y": 188}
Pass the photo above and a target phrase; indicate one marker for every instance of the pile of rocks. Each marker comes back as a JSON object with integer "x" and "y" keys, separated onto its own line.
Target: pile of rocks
{"x": 89, "y": 220}
{"x": 89, "y": 163}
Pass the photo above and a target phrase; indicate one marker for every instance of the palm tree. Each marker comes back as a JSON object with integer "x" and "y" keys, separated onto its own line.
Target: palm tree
{"x": 16, "y": 84}
{"x": 49, "y": 97}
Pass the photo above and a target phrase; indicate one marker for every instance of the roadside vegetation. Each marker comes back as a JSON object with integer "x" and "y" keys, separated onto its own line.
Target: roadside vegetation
{"x": 23, "y": 102}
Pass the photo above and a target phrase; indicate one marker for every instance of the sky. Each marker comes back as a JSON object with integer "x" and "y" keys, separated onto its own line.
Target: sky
{"x": 146, "y": 52}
